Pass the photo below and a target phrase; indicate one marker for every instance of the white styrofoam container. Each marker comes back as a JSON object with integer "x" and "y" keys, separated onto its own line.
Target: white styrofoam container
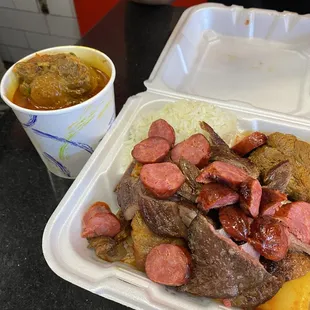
{"x": 252, "y": 62}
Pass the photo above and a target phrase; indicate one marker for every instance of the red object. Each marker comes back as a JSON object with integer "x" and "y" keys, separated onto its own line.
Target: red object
{"x": 89, "y": 13}
{"x": 168, "y": 264}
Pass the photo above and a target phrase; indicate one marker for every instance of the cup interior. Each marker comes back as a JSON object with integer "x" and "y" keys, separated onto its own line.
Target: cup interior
{"x": 90, "y": 56}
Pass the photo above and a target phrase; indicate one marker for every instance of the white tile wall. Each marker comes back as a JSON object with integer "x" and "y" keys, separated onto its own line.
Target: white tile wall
{"x": 5, "y": 53}
{"x": 27, "y": 5}
{"x": 17, "y": 52}
{"x": 13, "y": 37}
{"x": 40, "y": 41}
{"x": 23, "y": 20}
{"x": 63, "y": 26}
{"x": 24, "y": 29}
{"x": 61, "y": 7}
{"x": 7, "y": 4}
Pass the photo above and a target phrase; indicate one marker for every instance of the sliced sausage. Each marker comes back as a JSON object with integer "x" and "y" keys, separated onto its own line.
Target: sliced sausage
{"x": 195, "y": 149}
{"x": 250, "y": 196}
{"x": 215, "y": 195}
{"x": 151, "y": 150}
{"x": 269, "y": 237}
{"x": 161, "y": 128}
{"x": 168, "y": 264}
{"x": 296, "y": 216}
{"x": 271, "y": 201}
{"x": 249, "y": 143}
{"x": 99, "y": 221}
{"x": 235, "y": 222}
{"x": 162, "y": 180}
{"x": 224, "y": 173}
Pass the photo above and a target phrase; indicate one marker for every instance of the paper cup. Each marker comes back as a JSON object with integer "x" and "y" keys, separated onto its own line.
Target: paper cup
{"x": 66, "y": 138}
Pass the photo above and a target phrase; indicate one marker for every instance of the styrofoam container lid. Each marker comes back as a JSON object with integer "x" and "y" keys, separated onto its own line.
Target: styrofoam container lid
{"x": 253, "y": 58}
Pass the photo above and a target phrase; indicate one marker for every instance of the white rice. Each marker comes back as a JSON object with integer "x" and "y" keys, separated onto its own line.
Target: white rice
{"x": 184, "y": 116}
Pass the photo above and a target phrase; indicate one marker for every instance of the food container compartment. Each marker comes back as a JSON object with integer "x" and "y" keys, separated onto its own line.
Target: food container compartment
{"x": 254, "y": 63}
{"x": 257, "y": 58}
{"x": 66, "y": 252}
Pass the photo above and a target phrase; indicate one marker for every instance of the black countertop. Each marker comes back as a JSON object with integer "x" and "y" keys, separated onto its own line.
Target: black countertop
{"x": 133, "y": 36}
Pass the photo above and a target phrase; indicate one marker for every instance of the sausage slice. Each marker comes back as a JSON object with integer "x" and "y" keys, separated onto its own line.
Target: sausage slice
{"x": 224, "y": 173}
{"x": 195, "y": 149}
{"x": 235, "y": 222}
{"x": 100, "y": 221}
{"x": 268, "y": 237}
{"x": 271, "y": 201}
{"x": 168, "y": 264}
{"x": 250, "y": 196}
{"x": 163, "y": 129}
{"x": 249, "y": 143}
{"x": 215, "y": 195}
{"x": 162, "y": 179}
{"x": 151, "y": 150}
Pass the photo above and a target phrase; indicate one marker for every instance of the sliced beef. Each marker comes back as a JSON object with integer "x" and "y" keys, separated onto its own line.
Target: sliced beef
{"x": 225, "y": 173}
{"x": 168, "y": 264}
{"x": 190, "y": 172}
{"x": 268, "y": 236}
{"x": 271, "y": 201}
{"x": 296, "y": 216}
{"x": 267, "y": 157}
{"x": 163, "y": 179}
{"x": 296, "y": 245}
{"x": 293, "y": 266}
{"x": 220, "y": 151}
{"x": 195, "y": 149}
{"x": 161, "y": 128}
{"x": 215, "y": 195}
{"x": 187, "y": 213}
{"x": 249, "y": 143}
{"x": 187, "y": 192}
{"x": 151, "y": 150}
{"x": 127, "y": 192}
{"x": 163, "y": 216}
{"x": 278, "y": 177}
{"x": 259, "y": 294}
{"x": 235, "y": 222}
{"x": 220, "y": 268}
{"x": 250, "y": 196}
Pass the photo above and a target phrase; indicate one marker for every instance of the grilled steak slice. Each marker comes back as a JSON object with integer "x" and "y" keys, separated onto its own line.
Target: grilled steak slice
{"x": 220, "y": 151}
{"x": 190, "y": 172}
{"x": 296, "y": 245}
{"x": 220, "y": 268}
{"x": 187, "y": 192}
{"x": 278, "y": 177}
{"x": 127, "y": 192}
{"x": 163, "y": 216}
{"x": 267, "y": 157}
{"x": 258, "y": 295}
{"x": 293, "y": 266}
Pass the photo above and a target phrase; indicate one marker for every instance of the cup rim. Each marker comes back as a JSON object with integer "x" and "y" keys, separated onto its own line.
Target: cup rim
{"x": 64, "y": 110}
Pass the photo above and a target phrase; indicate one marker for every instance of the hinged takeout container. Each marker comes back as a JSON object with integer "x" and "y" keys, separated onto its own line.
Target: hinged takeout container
{"x": 252, "y": 62}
